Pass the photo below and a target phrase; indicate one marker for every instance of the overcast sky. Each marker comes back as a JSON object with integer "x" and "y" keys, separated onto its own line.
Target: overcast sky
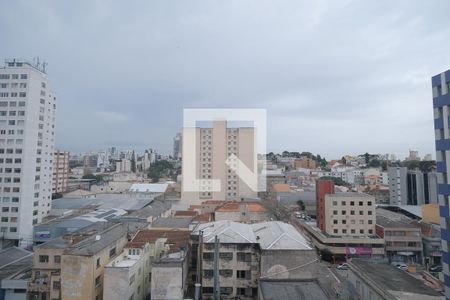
{"x": 336, "y": 77}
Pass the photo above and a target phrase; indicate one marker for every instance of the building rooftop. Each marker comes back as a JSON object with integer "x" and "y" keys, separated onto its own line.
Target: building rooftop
{"x": 278, "y": 235}
{"x": 149, "y": 187}
{"x": 350, "y": 195}
{"x": 68, "y": 224}
{"x": 177, "y": 239}
{"x": 154, "y": 209}
{"x": 236, "y": 207}
{"x": 92, "y": 245}
{"x": 104, "y": 201}
{"x": 172, "y": 223}
{"x": 392, "y": 280}
{"x": 281, "y": 187}
{"x": 292, "y": 290}
{"x": 15, "y": 262}
{"x": 185, "y": 213}
{"x": 274, "y": 235}
{"x": 390, "y": 219}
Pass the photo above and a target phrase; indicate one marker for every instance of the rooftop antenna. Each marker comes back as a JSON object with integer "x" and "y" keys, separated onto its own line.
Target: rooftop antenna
{"x": 44, "y": 64}
{"x": 37, "y": 63}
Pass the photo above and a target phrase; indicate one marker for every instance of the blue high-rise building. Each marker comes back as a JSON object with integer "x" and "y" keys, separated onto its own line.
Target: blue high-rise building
{"x": 441, "y": 108}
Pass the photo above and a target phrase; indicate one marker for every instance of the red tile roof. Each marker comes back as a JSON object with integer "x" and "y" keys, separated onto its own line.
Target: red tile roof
{"x": 235, "y": 207}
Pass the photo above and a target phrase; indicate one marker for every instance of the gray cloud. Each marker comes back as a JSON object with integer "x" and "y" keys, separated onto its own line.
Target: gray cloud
{"x": 336, "y": 77}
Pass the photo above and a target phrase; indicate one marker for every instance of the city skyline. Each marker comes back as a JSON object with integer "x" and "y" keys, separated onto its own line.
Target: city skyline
{"x": 130, "y": 83}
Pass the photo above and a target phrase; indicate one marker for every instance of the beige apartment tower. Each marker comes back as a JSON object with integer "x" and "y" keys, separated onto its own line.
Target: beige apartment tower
{"x": 60, "y": 171}
{"x": 207, "y": 155}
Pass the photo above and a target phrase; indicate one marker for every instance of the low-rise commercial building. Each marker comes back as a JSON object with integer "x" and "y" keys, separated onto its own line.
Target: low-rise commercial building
{"x": 403, "y": 240}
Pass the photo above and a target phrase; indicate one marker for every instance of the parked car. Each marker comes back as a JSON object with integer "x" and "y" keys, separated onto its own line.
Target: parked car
{"x": 400, "y": 265}
{"x": 342, "y": 266}
{"x": 436, "y": 268}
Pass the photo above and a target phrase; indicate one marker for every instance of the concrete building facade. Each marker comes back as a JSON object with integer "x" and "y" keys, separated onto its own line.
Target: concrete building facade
{"x": 61, "y": 171}
{"x": 441, "y": 111}
{"x": 323, "y": 188}
{"x": 350, "y": 214}
{"x": 27, "y": 139}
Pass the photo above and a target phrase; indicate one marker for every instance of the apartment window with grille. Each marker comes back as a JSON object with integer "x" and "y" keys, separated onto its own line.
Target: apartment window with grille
{"x": 56, "y": 285}
{"x": 226, "y": 273}
{"x": 208, "y": 273}
{"x": 208, "y": 256}
{"x": 244, "y": 274}
{"x": 226, "y": 255}
{"x": 226, "y": 290}
{"x": 43, "y": 258}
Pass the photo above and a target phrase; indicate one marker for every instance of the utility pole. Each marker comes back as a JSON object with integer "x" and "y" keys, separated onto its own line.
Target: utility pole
{"x": 199, "y": 257}
{"x": 216, "y": 269}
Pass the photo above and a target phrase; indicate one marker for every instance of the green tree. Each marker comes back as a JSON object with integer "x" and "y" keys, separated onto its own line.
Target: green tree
{"x": 374, "y": 163}
{"x": 367, "y": 158}
{"x": 344, "y": 161}
{"x": 301, "y": 205}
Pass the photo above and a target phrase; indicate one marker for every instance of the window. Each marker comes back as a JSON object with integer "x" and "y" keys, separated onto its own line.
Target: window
{"x": 208, "y": 273}
{"x": 360, "y": 203}
{"x": 208, "y": 290}
{"x": 23, "y": 76}
{"x": 56, "y": 285}
{"x": 226, "y": 273}
{"x": 335, "y": 231}
{"x": 343, "y": 212}
{"x": 43, "y": 258}
{"x": 97, "y": 281}
{"x": 243, "y": 274}
{"x": 352, "y": 212}
{"x": 241, "y": 256}
{"x": 361, "y": 231}
{"x": 208, "y": 256}
{"x": 98, "y": 262}
{"x": 335, "y": 212}
{"x": 335, "y": 221}
{"x": 57, "y": 259}
{"x": 132, "y": 278}
{"x": 226, "y": 290}
{"x": 112, "y": 252}
{"x": 226, "y": 255}
{"x": 361, "y": 213}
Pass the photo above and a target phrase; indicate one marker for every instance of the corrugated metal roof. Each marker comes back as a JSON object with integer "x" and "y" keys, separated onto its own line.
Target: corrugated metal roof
{"x": 273, "y": 235}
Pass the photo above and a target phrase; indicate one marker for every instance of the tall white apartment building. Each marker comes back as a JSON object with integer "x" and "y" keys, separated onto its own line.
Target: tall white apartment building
{"x": 27, "y": 138}
{"x": 61, "y": 171}
{"x": 213, "y": 146}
